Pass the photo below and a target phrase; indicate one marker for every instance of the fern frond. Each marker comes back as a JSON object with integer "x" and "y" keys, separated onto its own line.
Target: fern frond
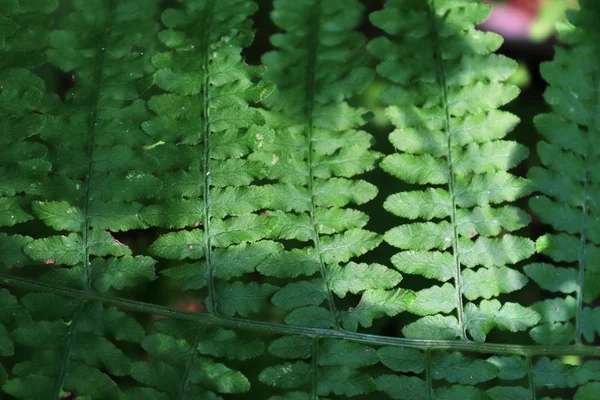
{"x": 76, "y": 347}
{"x": 567, "y": 182}
{"x": 449, "y": 136}
{"x": 96, "y": 146}
{"x": 205, "y": 127}
{"x": 317, "y": 150}
{"x": 23, "y": 107}
{"x": 180, "y": 363}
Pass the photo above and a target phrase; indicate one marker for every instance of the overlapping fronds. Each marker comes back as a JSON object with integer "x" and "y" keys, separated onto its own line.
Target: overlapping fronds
{"x": 177, "y": 224}
{"x": 203, "y": 128}
{"x": 316, "y": 151}
{"x": 568, "y": 185}
{"x": 444, "y": 101}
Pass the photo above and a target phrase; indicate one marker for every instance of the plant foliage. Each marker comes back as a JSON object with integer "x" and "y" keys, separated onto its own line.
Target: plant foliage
{"x": 178, "y": 224}
{"x": 568, "y": 188}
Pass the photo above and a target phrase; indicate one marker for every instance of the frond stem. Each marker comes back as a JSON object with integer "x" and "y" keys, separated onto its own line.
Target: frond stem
{"x": 205, "y": 138}
{"x": 530, "y": 377}
{"x": 188, "y": 366}
{"x": 451, "y": 185}
{"x": 66, "y": 357}
{"x": 87, "y": 271}
{"x": 313, "y": 46}
{"x": 428, "y": 378}
{"x": 315, "y": 371}
{"x": 275, "y": 328}
{"x": 584, "y": 214}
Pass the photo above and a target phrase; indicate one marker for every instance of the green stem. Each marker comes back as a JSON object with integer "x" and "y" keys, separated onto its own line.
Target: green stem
{"x": 451, "y": 183}
{"x": 584, "y": 215}
{"x": 313, "y": 46}
{"x": 274, "y": 328}
{"x": 205, "y": 138}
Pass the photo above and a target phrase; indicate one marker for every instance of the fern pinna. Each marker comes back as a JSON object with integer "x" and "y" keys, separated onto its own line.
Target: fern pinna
{"x": 165, "y": 170}
{"x": 568, "y": 187}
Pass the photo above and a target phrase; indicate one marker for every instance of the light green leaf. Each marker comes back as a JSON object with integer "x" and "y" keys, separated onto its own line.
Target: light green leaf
{"x": 249, "y": 228}
{"x": 65, "y": 250}
{"x": 344, "y": 353}
{"x": 12, "y": 212}
{"x": 421, "y": 236}
{"x": 119, "y": 273}
{"x": 559, "y": 247}
{"x": 180, "y": 245}
{"x": 12, "y": 250}
{"x": 181, "y": 213}
{"x": 416, "y": 169}
{"x": 59, "y": 215}
{"x": 512, "y": 317}
{"x": 557, "y": 309}
{"x": 402, "y": 359}
{"x": 376, "y": 303}
{"x": 355, "y": 278}
{"x": 339, "y": 192}
{"x": 457, "y": 368}
{"x": 299, "y": 294}
{"x": 402, "y": 387}
{"x": 433, "y": 327}
{"x": 243, "y": 299}
{"x": 427, "y": 204}
{"x": 354, "y": 242}
{"x": 291, "y": 347}
{"x": 286, "y": 376}
{"x": 489, "y": 252}
{"x": 434, "y": 300}
{"x": 334, "y": 220}
{"x": 315, "y": 317}
{"x": 290, "y": 264}
{"x": 553, "y": 278}
{"x": 490, "y": 282}
{"x": 430, "y": 264}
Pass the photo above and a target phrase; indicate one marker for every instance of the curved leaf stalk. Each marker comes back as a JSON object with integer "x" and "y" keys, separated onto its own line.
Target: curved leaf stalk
{"x": 444, "y": 103}
{"x": 568, "y": 186}
{"x": 269, "y": 327}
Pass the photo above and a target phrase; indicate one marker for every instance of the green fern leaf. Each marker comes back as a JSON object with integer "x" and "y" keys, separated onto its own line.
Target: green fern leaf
{"x": 206, "y": 129}
{"x": 150, "y": 135}
{"x": 566, "y": 181}
{"x": 449, "y": 132}
{"x": 313, "y": 158}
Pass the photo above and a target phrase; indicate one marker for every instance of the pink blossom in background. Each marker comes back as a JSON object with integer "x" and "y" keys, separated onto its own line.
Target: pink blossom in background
{"x": 512, "y": 19}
